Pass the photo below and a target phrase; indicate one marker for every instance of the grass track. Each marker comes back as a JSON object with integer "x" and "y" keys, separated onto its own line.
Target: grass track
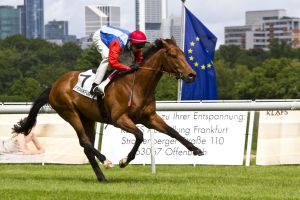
{"x": 136, "y": 182}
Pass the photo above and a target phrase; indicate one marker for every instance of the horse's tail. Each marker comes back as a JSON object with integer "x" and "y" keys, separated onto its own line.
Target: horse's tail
{"x": 25, "y": 125}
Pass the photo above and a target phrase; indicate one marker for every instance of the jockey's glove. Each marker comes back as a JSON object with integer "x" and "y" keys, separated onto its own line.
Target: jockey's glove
{"x": 134, "y": 66}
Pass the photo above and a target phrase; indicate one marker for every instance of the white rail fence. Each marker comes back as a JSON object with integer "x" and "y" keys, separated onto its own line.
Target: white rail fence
{"x": 245, "y": 105}
{"x": 226, "y": 105}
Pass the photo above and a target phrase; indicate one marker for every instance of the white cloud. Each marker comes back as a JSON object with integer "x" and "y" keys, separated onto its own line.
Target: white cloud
{"x": 215, "y": 14}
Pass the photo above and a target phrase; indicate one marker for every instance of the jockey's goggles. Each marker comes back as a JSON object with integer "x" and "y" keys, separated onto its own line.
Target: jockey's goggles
{"x": 139, "y": 46}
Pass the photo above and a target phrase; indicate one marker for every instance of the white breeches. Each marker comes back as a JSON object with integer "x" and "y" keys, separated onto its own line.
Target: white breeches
{"x": 104, "y": 51}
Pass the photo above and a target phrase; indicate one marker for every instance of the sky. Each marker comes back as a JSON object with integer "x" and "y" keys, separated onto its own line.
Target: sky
{"x": 215, "y": 14}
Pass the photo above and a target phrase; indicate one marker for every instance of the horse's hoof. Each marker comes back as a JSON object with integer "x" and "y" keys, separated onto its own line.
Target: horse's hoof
{"x": 102, "y": 180}
{"x": 123, "y": 163}
{"x": 107, "y": 164}
{"x": 198, "y": 152}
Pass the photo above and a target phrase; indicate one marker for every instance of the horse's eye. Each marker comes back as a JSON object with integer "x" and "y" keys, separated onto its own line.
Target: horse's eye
{"x": 173, "y": 55}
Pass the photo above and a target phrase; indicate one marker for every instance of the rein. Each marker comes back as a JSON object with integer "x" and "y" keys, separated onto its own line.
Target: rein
{"x": 151, "y": 69}
{"x": 159, "y": 70}
{"x": 131, "y": 92}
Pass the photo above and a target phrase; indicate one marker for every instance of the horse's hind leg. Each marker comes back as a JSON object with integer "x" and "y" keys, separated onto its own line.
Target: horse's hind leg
{"x": 157, "y": 123}
{"x": 90, "y": 131}
{"x": 74, "y": 119}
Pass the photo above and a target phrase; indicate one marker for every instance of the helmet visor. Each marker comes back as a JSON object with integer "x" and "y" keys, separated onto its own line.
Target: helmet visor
{"x": 139, "y": 45}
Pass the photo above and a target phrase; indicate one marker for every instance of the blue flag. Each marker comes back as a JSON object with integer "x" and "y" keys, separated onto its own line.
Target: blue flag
{"x": 199, "y": 50}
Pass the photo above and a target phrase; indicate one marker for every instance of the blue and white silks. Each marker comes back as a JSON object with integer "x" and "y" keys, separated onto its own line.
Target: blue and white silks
{"x": 110, "y": 33}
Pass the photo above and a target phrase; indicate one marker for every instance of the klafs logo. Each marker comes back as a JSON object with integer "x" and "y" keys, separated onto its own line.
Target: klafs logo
{"x": 277, "y": 113}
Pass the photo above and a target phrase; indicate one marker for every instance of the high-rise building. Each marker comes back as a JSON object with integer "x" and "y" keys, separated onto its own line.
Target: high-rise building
{"x": 263, "y": 26}
{"x": 9, "y": 21}
{"x": 56, "y": 30}
{"x": 34, "y": 18}
{"x": 171, "y": 26}
{"x": 150, "y": 14}
{"x": 22, "y": 19}
{"x": 99, "y": 15}
{"x": 175, "y": 31}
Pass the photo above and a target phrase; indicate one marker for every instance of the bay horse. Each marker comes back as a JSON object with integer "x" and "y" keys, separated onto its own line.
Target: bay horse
{"x": 82, "y": 113}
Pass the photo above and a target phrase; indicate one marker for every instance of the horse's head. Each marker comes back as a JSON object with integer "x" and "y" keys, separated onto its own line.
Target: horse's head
{"x": 175, "y": 61}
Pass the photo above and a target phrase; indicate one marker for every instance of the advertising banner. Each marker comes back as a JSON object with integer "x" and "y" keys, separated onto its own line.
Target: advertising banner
{"x": 219, "y": 134}
{"x": 58, "y": 138}
{"x": 278, "y": 138}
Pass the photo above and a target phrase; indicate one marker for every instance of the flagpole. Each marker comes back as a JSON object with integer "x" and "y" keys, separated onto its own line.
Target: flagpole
{"x": 179, "y": 90}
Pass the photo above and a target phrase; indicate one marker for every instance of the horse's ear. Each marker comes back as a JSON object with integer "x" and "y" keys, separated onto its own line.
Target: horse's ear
{"x": 166, "y": 45}
{"x": 173, "y": 39}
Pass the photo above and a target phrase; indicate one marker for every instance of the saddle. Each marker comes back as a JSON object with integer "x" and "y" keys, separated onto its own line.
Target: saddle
{"x": 84, "y": 85}
{"x": 85, "y": 81}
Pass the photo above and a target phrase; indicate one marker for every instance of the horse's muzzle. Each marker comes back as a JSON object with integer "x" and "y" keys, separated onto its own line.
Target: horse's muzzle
{"x": 189, "y": 78}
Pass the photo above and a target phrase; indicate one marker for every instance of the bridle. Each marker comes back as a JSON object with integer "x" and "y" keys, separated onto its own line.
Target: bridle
{"x": 160, "y": 69}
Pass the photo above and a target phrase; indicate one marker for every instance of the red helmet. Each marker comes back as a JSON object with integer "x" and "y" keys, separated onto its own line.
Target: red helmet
{"x": 137, "y": 37}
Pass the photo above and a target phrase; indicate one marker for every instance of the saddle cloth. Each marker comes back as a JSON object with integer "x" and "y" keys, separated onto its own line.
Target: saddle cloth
{"x": 84, "y": 84}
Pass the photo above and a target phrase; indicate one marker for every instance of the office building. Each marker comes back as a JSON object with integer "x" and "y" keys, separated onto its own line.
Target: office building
{"x": 34, "y": 18}
{"x": 56, "y": 30}
{"x": 99, "y": 15}
{"x": 263, "y": 26}
{"x": 22, "y": 19}
{"x": 85, "y": 42}
{"x": 150, "y": 16}
{"x": 9, "y": 21}
{"x": 175, "y": 30}
{"x": 70, "y": 38}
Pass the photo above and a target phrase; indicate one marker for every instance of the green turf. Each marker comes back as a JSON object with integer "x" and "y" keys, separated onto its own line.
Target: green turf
{"x": 137, "y": 182}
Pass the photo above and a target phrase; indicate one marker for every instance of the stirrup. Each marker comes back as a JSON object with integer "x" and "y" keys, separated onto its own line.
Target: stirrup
{"x": 98, "y": 91}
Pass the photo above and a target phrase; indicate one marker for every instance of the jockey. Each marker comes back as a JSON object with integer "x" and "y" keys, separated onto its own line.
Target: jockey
{"x": 111, "y": 42}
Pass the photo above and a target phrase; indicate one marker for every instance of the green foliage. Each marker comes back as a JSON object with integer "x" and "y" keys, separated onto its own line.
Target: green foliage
{"x": 8, "y": 68}
{"x": 280, "y": 49}
{"x": 229, "y": 54}
{"x": 26, "y": 87}
{"x": 29, "y": 66}
{"x": 274, "y": 79}
{"x": 89, "y": 59}
{"x": 166, "y": 89}
{"x": 258, "y": 74}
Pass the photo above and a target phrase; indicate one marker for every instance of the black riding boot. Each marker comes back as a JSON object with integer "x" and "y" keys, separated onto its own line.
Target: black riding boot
{"x": 92, "y": 92}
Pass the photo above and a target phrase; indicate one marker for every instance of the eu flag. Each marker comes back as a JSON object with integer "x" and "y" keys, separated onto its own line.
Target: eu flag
{"x": 199, "y": 50}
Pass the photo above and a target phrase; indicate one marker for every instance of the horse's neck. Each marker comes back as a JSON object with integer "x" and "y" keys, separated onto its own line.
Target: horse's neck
{"x": 150, "y": 76}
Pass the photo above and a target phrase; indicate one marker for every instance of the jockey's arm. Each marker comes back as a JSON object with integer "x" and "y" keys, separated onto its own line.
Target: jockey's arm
{"x": 113, "y": 56}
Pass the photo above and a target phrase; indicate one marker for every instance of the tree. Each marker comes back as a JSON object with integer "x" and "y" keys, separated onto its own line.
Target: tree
{"x": 27, "y": 88}
{"x": 8, "y": 71}
{"x": 279, "y": 48}
{"x": 230, "y": 54}
{"x": 18, "y": 42}
{"x": 289, "y": 81}
{"x": 69, "y": 53}
{"x": 89, "y": 59}
{"x": 269, "y": 81}
{"x": 166, "y": 88}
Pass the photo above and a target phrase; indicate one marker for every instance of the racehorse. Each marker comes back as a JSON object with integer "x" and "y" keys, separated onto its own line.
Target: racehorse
{"x": 82, "y": 113}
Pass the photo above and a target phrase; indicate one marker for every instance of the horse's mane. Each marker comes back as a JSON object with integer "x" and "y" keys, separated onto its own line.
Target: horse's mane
{"x": 149, "y": 52}
{"x": 156, "y": 46}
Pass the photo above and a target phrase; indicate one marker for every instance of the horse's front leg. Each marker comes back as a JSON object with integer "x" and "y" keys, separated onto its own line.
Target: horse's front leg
{"x": 125, "y": 123}
{"x": 157, "y": 123}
